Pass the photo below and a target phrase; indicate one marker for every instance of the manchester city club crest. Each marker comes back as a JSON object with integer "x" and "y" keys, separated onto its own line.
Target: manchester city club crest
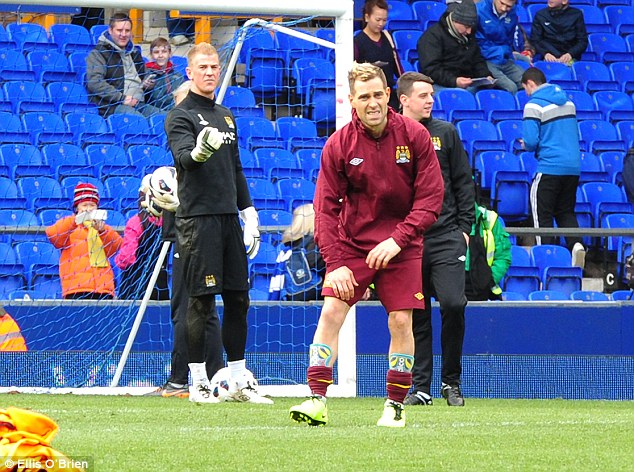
{"x": 402, "y": 155}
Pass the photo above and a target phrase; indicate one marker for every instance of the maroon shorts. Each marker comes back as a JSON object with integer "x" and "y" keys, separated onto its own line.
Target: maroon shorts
{"x": 398, "y": 286}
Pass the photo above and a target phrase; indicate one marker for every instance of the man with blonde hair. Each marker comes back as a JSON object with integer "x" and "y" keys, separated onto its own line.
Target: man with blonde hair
{"x": 211, "y": 187}
{"x": 378, "y": 190}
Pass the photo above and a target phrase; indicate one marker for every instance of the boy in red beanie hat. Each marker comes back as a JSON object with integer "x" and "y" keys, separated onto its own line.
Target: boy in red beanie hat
{"x": 87, "y": 243}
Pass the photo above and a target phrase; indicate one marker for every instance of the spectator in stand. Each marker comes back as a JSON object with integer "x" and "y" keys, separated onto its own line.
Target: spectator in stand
{"x": 167, "y": 79}
{"x": 140, "y": 250}
{"x": 375, "y": 45}
{"x": 550, "y": 131}
{"x": 86, "y": 242}
{"x": 559, "y": 33}
{"x": 497, "y": 25}
{"x": 448, "y": 51}
{"x": 487, "y": 264}
{"x": 304, "y": 266}
{"x": 116, "y": 78}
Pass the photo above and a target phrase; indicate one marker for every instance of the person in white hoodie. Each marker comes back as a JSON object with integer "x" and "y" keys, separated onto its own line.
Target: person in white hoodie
{"x": 116, "y": 78}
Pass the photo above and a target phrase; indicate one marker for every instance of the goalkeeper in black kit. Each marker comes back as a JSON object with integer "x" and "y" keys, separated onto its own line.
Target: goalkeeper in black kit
{"x": 213, "y": 192}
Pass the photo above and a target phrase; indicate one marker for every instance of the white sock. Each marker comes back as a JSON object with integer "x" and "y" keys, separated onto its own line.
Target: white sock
{"x": 238, "y": 369}
{"x": 199, "y": 373}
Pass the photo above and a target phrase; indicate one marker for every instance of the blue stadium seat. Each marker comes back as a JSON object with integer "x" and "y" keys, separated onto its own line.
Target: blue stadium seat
{"x": 70, "y": 97}
{"x": 109, "y": 160}
{"x": 615, "y": 106}
{"x": 157, "y": 125}
{"x": 41, "y": 192}
{"x": 50, "y": 216}
{"x": 399, "y": 10}
{"x": 498, "y": 105}
{"x": 23, "y": 160}
{"x": 89, "y": 128}
{"x": 589, "y": 296}
{"x": 31, "y": 295}
{"x": 278, "y": 163}
{"x": 13, "y": 67}
{"x": 265, "y": 262}
{"x": 513, "y": 297}
{"x": 594, "y": 75}
{"x": 265, "y": 195}
{"x": 621, "y": 245}
{"x": 490, "y": 162}
{"x": 238, "y": 97}
{"x": 25, "y": 220}
{"x": 68, "y": 187}
{"x": 299, "y": 133}
{"x": 406, "y": 42}
{"x": 554, "y": 263}
{"x": 265, "y": 67}
{"x": 600, "y": 136}
{"x": 623, "y": 295}
{"x": 40, "y": 259}
{"x": 9, "y": 197}
{"x": 585, "y": 105}
{"x": 27, "y": 97}
{"x": 77, "y": 61}
{"x": 327, "y": 34}
{"x": 610, "y": 47}
{"x": 11, "y": 280}
{"x": 592, "y": 169}
{"x": 613, "y": 164}
{"x": 254, "y": 133}
{"x": 250, "y": 165}
{"x": 547, "y": 295}
{"x": 428, "y": 12}
{"x": 50, "y": 66}
{"x": 460, "y": 104}
{"x": 529, "y": 163}
{"x": 509, "y": 195}
{"x": 96, "y": 31}
{"x": 30, "y": 37}
{"x": 521, "y": 279}
{"x": 11, "y": 130}
{"x": 605, "y": 198}
{"x": 621, "y": 17}
{"x": 315, "y": 87}
{"x": 66, "y": 159}
{"x": 479, "y": 136}
{"x": 279, "y": 218}
{"x": 594, "y": 19}
{"x": 124, "y": 190}
{"x": 146, "y": 158}
{"x": 310, "y": 162}
{"x": 297, "y": 48}
{"x": 5, "y": 40}
{"x": 132, "y": 129}
{"x": 296, "y": 191}
{"x": 46, "y": 127}
{"x": 558, "y": 73}
{"x": 623, "y": 73}
{"x": 625, "y": 130}
{"x": 71, "y": 38}
{"x": 398, "y": 24}
{"x": 512, "y": 131}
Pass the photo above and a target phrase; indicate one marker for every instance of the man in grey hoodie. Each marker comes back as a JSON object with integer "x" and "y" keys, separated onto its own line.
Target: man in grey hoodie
{"x": 116, "y": 78}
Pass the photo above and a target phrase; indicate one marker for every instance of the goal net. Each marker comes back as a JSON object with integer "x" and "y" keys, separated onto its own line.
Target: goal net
{"x": 284, "y": 78}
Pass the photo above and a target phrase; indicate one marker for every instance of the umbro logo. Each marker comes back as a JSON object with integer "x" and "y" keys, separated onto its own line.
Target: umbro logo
{"x": 356, "y": 161}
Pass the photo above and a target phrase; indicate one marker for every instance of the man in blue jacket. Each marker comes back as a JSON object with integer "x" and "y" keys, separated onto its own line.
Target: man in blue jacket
{"x": 551, "y": 132}
{"x": 497, "y": 23}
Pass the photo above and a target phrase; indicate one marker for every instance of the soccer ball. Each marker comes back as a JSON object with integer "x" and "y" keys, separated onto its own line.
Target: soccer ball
{"x": 157, "y": 184}
{"x": 163, "y": 181}
{"x": 224, "y": 387}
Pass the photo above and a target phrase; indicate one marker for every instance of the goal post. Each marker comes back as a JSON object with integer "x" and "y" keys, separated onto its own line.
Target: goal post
{"x": 105, "y": 328}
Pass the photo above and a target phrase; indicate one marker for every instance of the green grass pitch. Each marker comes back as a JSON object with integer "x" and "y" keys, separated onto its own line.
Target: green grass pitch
{"x": 151, "y": 433}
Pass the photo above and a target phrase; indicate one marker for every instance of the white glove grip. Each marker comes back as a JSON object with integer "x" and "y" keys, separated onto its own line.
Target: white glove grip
{"x": 208, "y": 141}
{"x": 251, "y": 232}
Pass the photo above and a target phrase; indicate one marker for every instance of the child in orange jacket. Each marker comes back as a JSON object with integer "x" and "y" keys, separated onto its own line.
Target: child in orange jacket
{"x": 86, "y": 242}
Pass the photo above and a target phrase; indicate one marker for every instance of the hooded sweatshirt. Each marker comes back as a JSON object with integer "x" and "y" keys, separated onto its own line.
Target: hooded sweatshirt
{"x": 550, "y": 130}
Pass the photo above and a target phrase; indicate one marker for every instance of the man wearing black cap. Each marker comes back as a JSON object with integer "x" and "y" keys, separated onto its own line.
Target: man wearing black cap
{"x": 448, "y": 52}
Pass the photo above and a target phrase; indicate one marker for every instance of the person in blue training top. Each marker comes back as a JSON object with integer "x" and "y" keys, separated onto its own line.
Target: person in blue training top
{"x": 497, "y": 25}
{"x": 550, "y": 131}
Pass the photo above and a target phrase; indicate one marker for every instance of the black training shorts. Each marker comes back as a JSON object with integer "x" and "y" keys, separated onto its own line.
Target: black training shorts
{"x": 213, "y": 254}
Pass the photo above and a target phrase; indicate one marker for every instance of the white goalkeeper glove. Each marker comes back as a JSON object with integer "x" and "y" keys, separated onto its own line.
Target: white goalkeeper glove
{"x": 208, "y": 141}
{"x": 249, "y": 217}
{"x": 167, "y": 201}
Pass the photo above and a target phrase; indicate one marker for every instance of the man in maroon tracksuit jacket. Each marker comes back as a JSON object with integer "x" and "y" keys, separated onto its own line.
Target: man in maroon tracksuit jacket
{"x": 379, "y": 189}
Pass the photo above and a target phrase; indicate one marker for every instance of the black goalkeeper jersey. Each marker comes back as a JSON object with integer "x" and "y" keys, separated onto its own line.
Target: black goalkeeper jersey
{"x": 217, "y": 186}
